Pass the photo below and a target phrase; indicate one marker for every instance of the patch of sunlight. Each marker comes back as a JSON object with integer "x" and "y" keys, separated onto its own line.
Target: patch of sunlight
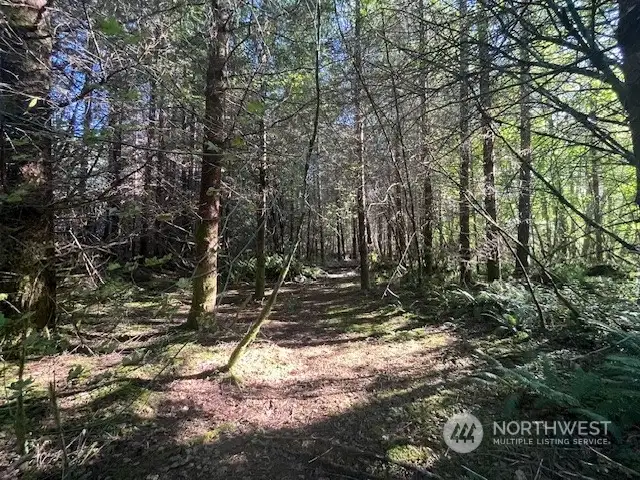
{"x": 114, "y": 396}
{"x": 373, "y": 324}
{"x": 435, "y": 401}
{"x": 211, "y": 436}
{"x": 194, "y": 355}
{"x": 9, "y": 372}
{"x": 374, "y": 316}
{"x": 142, "y": 304}
{"x": 267, "y": 363}
{"x": 190, "y": 355}
{"x": 369, "y": 329}
{"x": 146, "y": 404}
{"x": 386, "y": 311}
{"x": 409, "y": 453}
{"x": 337, "y": 312}
{"x": 406, "y": 335}
{"x": 433, "y": 340}
{"x": 132, "y": 328}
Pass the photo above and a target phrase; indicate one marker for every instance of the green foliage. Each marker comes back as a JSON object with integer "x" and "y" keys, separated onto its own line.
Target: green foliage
{"x": 137, "y": 357}
{"x": 113, "y": 266}
{"x": 157, "y": 262}
{"x": 244, "y": 269}
{"x": 110, "y": 26}
{"x": 256, "y": 107}
{"x": 75, "y": 373}
{"x": 36, "y": 342}
{"x": 238, "y": 142}
{"x": 113, "y": 289}
{"x": 15, "y": 197}
{"x": 20, "y": 387}
{"x": 509, "y": 304}
{"x": 605, "y": 387}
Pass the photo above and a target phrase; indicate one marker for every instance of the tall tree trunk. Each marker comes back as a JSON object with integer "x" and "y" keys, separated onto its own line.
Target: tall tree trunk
{"x": 340, "y": 240}
{"x": 596, "y": 191}
{"x": 425, "y": 153}
{"x": 87, "y": 131}
{"x": 205, "y": 281}
{"x": 361, "y": 193}
{"x": 400, "y": 224}
{"x": 309, "y": 236}
{"x": 465, "y": 150}
{"x": 145, "y": 238}
{"x": 389, "y": 250}
{"x": 354, "y": 238}
{"x": 261, "y": 260}
{"x": 629, "y": 42}
{"x": 112, "y": 226}
{"x": 379, "y": 235}
{"x": 323, "y": 258}
{"x": 400, "y": 154}
{"x": 261, "y": 207}
{"x": 524, "y": 193}
{"x": 27, "y": 225}
{"x": 164, "y": 178}
{"x": 488, "y": 161}
{"x": 292, "y": 222}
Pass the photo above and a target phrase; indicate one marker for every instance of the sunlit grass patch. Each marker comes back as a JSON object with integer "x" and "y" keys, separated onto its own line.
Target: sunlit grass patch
{"x": 266, "y": 363}
{"x": 409, "y": 453}
{"x": 211, "y": 436}
{"x": 142, "y": 304}
{"x": 105, "y": 396}
{"x": 388, "y": 321}
{"x": 341, "y": 311}
{"x": 192, "y": 356}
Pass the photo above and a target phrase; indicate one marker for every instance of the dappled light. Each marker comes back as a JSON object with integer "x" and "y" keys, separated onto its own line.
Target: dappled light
{"x": 320, "y": 239}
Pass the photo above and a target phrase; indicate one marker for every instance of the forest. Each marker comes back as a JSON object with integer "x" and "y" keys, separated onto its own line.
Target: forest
{"x": 323, "y": 239}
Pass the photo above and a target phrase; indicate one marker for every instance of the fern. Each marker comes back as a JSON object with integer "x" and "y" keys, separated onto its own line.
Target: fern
{"x": 608, "y": 390}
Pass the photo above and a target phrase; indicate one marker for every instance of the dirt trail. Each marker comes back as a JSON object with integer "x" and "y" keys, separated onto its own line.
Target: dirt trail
{"x": 338, "y": 380}
{"x": 317, "y": 359}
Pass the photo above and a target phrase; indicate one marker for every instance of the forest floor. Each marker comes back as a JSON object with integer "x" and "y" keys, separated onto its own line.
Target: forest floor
{"x": 341, "y": 384}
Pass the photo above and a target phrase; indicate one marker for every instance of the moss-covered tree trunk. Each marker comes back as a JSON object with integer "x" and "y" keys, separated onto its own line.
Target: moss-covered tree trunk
{"x": 27, "y": 248}
{"x": 205, "y": 281}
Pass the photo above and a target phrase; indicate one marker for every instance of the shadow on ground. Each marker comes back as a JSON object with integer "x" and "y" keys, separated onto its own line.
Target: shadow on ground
{"x": 342, "y": 385}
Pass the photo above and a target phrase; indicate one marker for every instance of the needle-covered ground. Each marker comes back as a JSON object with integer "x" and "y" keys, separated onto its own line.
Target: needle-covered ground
{"x": 341, "y": 384}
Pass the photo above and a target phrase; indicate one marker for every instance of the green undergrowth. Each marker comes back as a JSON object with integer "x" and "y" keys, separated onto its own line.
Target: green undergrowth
{"x": 488, "y": 356}
{"x": 243, "y": 269}
{"x": 584, "y": 366}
